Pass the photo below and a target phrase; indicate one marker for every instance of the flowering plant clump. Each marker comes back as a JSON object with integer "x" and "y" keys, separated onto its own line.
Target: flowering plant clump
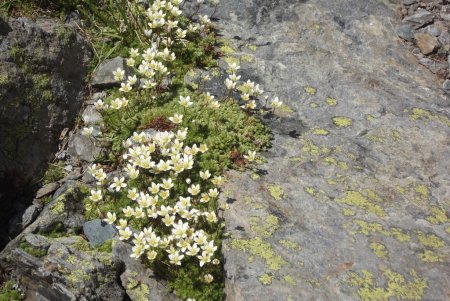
{"x": 163, "y": 193}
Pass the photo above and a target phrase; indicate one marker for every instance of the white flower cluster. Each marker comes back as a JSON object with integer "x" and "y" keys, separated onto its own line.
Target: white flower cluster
{"x": 171, "y": 222}
{"x": 249, "y": 90}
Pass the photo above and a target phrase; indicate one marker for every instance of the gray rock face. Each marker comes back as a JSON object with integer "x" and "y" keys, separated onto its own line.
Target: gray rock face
{"x": 103, "y": 75}
{"x": 83, "y": 148}
{"x": 406, "y": 32}
{"x": 419, "y": 19}
{"x": 42, "y": 68}
{"x": 98, "y": 231}
{"x": 139, "y": 282}
{"x": 91, "y": 115}
{"x": 354, "y": 205}
{"x": 65, "y": 268}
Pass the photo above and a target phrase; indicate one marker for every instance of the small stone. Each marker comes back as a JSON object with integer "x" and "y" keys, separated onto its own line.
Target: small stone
{"x": 98, "y": 231}
{"x": 426, "y": 42}
{"x": 103, "y": 76}
{"x": 434, "y": 30}
{"x": 30, "y": 215}
{"x": 37, "y": 241}
{"x": 46, "y": 190}
{"x": 406, "y": 32}
{"x": 83, "y": 148}
{"x": 409, "y": 2}
{"x": 419, "y": 19}
{"x": 446, "y": 86}
{"x": 445, "y": 16}
{"x": 91, "y": 115}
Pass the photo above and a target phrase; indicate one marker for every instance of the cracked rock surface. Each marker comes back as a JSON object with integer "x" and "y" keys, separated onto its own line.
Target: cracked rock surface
{"x": 352, "y": 200}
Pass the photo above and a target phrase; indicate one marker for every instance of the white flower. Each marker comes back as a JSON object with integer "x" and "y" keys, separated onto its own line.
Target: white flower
{"x": 110, "y": 218}
{"x": 133, "y": 194}
{"x": 234, "y": 67}
{"x": 132, "y": 79}
{"x": 167, "y": 183}
{"x": 176, "y": 258}
{"x": 87, "y": 131}
{"x": 192, "y": 250}
{"x": 116, "y": 104}
{"x": 119, "y": 74}
{"x": 209, "y": 278}
{"x": 185, "y": 101}
{"x": 275, "y": 103}
{"x": 177, "y": 118}
{"x": 96, "y": 195}
{"x": 118, "y": 184}
{"x": 134, "y": 52}
{"x": 125, "y": 87}
{"x": 194, "y": 189}
{"x": 100, "y": 105}
{"x": 213, "y": 193}
{"x": 216, "y": 261}
{"x": 214, "y": 104}
{"x": 204, "y": 258}
{"x": 125, "y": 234}
{"x": 251, "y": 156}
{"x": 131, "y": 62}
{"x": 230, "y": 84}
{"x": 151, "y": 255}
{"x": 205, "y": 174}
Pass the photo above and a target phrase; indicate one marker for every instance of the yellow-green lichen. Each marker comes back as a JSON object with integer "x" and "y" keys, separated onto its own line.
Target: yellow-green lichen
{"x": 265, "y": 228}
{"x": 399, "y": 234}
{"x": 252, "y": 47}
{"x": 418, "y": 113}
{"x": 341, "y": 121}
{"x": 257, "y": 247}
{"x": 373, "y": 195}
{"x": 288, "y": 244}
{"x": 255, "y": 176}
{"x": 310, "y": 191}
{"x": 137, "y": 291}
{"x": 348, "y": 212}
{"x": 320, "y": 132}
{"x": 438, "y": 216}
{"x": 430, "y": 256}
{"x": 266, "y": 279}
{"x": 423, "y": 191}
{"x": 379, "y": 250}
{"x": 396, "y": 135}
{"x": 247, "y": 58}
{"x": 310, "y": 90}
{"x": 376, "y": 138}
{"x": 356, "y": 199}
{"x": 331, "y": 101}
{"x": 58, "y": 207}
{"x": 430, "y": 240}
{"x": 286, "y": 109}
{"x": 290, "y": 280}
{"x": 370, "y": 117}
{"x": 396, "y": 286}
{"x": 313, "y": 105}
{"x": 276, "y": 191}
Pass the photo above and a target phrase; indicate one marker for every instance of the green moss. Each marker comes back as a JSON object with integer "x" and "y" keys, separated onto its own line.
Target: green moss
{"x": 342, "y": 121}
{"x": 379, "y": 250}
{"x": 4, "y": 79}
{"x": 36, "y": 252}
{"x": 331, "y": 101}
{"x": 8, "y": 292}
{"x": 81, "y": 244}
{"x": 356, "y": 199}
{"x": 58, "y": 207}
{"x": 438, "y": 216}
{"x": 257, "y": 247}
{"x": 276, "y": 191}
{"x": 65, "y": 34}
{"x": 310, "y": 90}
{"x": 54, "y": 173}
{"x": 266, "y": 279}
{"x": 396, "y": 286}
{"x": 105, "y": 247}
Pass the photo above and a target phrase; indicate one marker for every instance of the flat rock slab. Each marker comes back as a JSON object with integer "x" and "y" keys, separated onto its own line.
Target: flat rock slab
{"x": 98, "y": 231}
{"x": 352, "y": 203}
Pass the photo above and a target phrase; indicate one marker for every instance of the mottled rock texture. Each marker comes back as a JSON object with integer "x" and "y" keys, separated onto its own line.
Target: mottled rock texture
{"x": 352, "y": 200}
{"x": 42, "y": 68}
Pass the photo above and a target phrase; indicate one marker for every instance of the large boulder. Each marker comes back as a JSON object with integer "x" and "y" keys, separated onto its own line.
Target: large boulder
{"x": 355, "y": 204}
{"x": 43, "y": 64}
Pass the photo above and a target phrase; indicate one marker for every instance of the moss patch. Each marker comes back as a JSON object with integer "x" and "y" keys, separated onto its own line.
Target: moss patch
{"x": 9, "y": 292}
